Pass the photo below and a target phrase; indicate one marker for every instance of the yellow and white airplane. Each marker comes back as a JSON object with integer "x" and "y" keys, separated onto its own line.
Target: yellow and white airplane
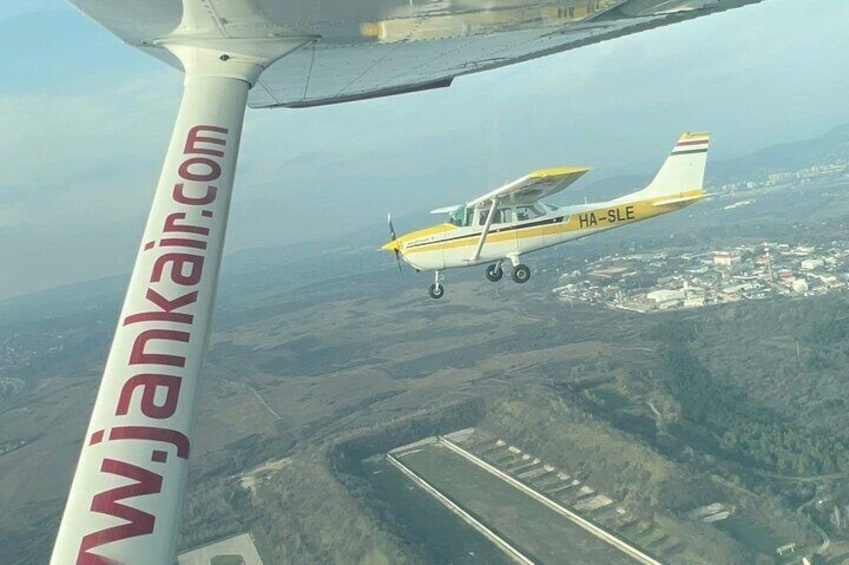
{"x": 512, "y": 220}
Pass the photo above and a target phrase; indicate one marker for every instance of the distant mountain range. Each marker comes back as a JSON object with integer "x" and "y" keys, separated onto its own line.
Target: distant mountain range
{"x": 831, "y": 147}
{"x": 293, "y": 265}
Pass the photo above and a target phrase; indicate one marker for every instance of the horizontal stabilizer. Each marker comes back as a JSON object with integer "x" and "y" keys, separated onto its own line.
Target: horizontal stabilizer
{"x": 680, "y": 199}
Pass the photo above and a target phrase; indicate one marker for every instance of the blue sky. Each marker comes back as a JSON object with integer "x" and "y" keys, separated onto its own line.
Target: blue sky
{"x": 86, "y": 120}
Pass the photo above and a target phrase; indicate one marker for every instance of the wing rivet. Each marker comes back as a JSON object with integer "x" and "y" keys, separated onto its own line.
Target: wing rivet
{"x": 224, "y": 57}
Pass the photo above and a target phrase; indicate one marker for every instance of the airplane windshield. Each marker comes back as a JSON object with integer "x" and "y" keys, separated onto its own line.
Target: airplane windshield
{"x": 529, "y": 211}
{"x": 460, "y": 217}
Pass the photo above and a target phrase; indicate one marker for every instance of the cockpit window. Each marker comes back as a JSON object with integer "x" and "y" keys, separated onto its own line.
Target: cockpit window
{"x": 460, "y": 217}
{"x": 529, "y": 212}
{"x": 502, "y": 216}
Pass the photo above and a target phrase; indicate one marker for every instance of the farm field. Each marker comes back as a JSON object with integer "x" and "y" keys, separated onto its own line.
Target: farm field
{"x": 542, "y": 534}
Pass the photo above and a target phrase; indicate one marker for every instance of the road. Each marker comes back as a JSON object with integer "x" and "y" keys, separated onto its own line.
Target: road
{"x": 826, "y": 542}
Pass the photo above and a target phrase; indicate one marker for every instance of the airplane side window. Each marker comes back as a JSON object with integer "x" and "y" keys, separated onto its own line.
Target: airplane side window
{"x": 502, "y": 215}
{"x": 526, "y": 213}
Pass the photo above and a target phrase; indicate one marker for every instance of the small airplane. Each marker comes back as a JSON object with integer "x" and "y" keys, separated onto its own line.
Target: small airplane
{"x": 512, "y": 220}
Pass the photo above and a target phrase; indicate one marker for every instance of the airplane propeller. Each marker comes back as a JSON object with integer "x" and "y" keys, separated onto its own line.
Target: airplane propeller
{"x": 393, "y": 237}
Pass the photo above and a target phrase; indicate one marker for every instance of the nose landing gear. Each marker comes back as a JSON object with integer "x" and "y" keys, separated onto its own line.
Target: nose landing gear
{"x": 436, "y": 290}
{"x": 494, "y": 272}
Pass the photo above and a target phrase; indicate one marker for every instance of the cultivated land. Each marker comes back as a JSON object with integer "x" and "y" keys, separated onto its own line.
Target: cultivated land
{"x": 279, "y": 445}
{"x": 541, "y": 533}
{"x": 318, "y": 363}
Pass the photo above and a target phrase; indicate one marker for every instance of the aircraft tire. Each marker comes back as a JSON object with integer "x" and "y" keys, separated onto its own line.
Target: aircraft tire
{"x": 436, "y": 291}
{"x": 494, "y": 273}
{"x": 521, "y": 274}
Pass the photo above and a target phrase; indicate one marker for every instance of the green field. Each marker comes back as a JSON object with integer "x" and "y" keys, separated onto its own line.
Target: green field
{"x": 541, "y": 533}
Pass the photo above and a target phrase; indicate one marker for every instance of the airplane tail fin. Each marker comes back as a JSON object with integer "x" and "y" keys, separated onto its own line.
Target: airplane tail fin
{"x": 682, "y": 174}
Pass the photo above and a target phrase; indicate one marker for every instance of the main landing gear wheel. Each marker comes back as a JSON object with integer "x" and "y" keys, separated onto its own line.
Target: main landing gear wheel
{"x": 436, "y": 291}
{"x": 494, "y": 272}
{"x": 521, "y": 274}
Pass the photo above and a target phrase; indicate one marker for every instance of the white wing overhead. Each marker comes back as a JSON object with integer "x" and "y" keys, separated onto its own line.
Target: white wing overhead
{"x": 368, "y": 48}
{"x": 534, "y": 186}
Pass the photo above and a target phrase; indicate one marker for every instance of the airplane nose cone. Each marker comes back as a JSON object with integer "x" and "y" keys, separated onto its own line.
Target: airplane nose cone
{"x": 393, "y": 245}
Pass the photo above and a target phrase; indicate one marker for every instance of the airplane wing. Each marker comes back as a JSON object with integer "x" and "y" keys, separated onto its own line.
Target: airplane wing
{"x": 361, "y": 49}
{"x": 534, "y": 186}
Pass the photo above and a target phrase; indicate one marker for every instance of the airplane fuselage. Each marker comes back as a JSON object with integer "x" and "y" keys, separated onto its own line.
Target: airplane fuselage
{"x": 447, "y": 246}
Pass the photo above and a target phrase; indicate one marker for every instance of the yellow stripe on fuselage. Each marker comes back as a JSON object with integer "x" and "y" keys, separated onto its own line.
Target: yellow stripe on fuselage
{"x": 694, "y": 135}
{"x": 603, "y": 217}
{"x": 418, "y": 235}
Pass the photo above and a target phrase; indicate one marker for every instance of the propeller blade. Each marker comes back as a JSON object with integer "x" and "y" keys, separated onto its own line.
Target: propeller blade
{"x": 391, "y": 227}
{"x": 393, "y": 238}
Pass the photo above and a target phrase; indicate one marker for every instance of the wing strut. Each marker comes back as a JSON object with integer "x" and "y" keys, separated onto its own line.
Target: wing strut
{"x": 485, "y": 231}
{"x": 125, "y": 499}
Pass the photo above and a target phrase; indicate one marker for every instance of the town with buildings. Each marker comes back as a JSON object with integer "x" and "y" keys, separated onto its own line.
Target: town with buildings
{"x": 659, "y": 281}
{"x": 647, "y": 282}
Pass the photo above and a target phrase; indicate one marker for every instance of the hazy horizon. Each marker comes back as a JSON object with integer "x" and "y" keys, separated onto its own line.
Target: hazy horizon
{"x": 87, "y": 149}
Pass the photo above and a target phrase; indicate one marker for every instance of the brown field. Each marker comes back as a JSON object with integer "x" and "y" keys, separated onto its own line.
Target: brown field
{"x": 373, "y": 363}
